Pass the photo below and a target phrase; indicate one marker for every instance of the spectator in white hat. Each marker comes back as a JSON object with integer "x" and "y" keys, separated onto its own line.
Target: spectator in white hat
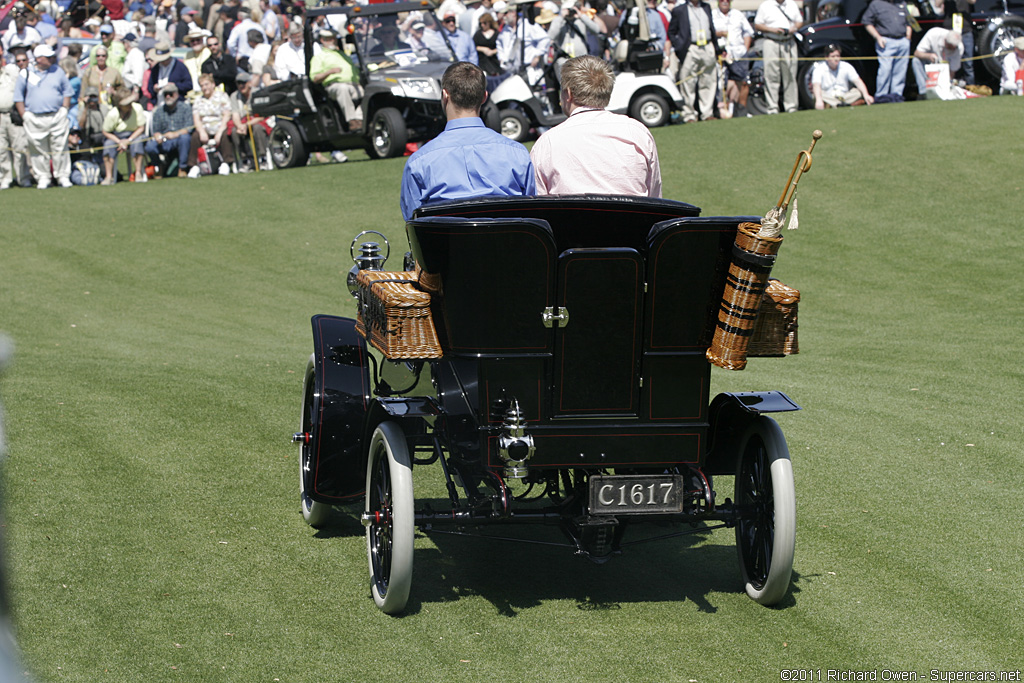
{"x": 42, "y": 96}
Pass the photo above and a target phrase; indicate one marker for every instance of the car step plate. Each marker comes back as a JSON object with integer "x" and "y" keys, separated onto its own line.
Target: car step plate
{"x": 636, "y": 494}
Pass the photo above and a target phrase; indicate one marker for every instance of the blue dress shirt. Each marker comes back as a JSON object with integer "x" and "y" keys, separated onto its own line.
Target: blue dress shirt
{"x": 43, "y": 92}
{"x": 467, "y": 160}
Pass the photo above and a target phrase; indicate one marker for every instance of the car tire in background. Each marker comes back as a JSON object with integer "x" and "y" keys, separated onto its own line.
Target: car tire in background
{"x": 803, "y": 84}
{"x": 514, "y": 125}
{"x": 650, "y": 109}
{"x": 996, "y": 39}
{"x": 286, "y": 146}
{"x": 387, "y": 134}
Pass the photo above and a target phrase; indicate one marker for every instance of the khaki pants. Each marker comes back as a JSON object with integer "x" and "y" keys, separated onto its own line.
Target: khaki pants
{"x": 346, "y": 95}
{"x": 698, "y": 80}
{"x": 780, "y": 71}
{"x": 848, "y": 97}
{"x": 48, "y": 142}
{"x": 13, "y": 146}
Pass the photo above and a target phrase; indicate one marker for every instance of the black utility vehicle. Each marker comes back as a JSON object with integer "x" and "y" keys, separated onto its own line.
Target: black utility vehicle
{"x": 569, "y": 387}
{"x": 996, "y": 24}
{"x": 401, "y": 101}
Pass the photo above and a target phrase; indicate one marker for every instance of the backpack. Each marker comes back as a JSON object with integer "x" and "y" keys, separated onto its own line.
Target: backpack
{"x": 85, "y": 173}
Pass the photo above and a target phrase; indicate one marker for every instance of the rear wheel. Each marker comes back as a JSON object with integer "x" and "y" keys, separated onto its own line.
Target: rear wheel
{"x": 316, "y": 514}
{"x": 286, "y": 146}
{"x": 389, "y": 517}
{"x": 514, "y": 124}
{"x": 388, "y": 134}
{"x": 650, "y": 109}
{"x": 765, "y": 496}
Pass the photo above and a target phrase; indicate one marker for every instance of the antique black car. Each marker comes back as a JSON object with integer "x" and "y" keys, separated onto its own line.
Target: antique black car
{"x": 838, "y": 22}
{"x": 548, "y": 355}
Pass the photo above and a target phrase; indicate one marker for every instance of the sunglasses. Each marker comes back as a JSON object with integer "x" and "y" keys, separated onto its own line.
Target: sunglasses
{"x": 448, "y": 21}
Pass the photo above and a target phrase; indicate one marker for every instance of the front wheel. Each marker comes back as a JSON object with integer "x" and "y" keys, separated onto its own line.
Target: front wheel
{"x": 650, "y": 109}
{"x": 286, "y": 146}
{"x": 388, "y": 134}
{"x": 766, "y": 499}
{"x": 389, "y": 517}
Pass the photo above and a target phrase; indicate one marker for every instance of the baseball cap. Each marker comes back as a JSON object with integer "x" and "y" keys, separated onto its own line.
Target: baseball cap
{"x": 106, "y": 28}
{"x": 43, "y": 50}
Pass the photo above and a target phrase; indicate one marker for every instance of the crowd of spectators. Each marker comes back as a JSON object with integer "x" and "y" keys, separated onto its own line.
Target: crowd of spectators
{"x": 168, "y": 82}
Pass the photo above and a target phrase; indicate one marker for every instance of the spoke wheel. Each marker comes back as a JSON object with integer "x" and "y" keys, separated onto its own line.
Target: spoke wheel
{"x": 765, "y": 496}
{"x": 316, "y": 514}
{"x": 389, "y": 518}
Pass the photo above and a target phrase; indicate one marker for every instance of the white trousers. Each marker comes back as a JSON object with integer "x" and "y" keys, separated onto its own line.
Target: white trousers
{"x": 48, "y": 142}
{"x": 346, "y": 95}
{"x": 13, "y": 145}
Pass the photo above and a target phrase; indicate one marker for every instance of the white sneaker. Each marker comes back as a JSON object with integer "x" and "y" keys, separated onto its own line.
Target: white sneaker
{"x": 5, "y": 185}
{"x": 224, "y": 169}
{"x": 64, "y": 182}
{"x": 193, "y": 172}
{"x": 339, "y": 157}
{"x": 43, "y": 184}
{"x": 141, "y": 178}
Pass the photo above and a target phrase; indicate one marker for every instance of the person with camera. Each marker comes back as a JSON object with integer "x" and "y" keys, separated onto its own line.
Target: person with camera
{"x": 568, "y": 33}
{"x": 692, "y": 32}
{"x": 778, "y": 20}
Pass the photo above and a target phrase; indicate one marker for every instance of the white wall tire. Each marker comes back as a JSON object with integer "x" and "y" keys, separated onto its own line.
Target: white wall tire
{"x": 390, "y": 530}
{"x": 765, "y": 494}
{"x": 316, "y": 514}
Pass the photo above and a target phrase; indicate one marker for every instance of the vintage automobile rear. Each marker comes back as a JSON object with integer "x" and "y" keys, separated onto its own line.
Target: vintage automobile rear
{"x": 550, "y": 355}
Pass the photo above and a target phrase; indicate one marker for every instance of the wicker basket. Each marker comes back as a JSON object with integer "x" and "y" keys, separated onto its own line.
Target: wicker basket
{"x": 394, "y": 315}
{"x": 752, "y": 261}
{"x": 775, "y": 330}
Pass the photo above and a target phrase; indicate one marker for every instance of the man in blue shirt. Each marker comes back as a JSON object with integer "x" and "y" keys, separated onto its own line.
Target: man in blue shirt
{"x": 461, "y": 42}
{"x": 42, "y": 96}
{"x": 467, "y": 159}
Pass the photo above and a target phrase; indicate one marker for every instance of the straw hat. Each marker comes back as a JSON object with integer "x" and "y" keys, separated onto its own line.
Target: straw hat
{"x": 127, "y": 100}
{"x": 160, "y": 52}
{"x": 545, "y": 17}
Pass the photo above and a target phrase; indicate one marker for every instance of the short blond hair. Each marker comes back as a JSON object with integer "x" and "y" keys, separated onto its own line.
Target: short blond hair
{"x": 590, "y": 80}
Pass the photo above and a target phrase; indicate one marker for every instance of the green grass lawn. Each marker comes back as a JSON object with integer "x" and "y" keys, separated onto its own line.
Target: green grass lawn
{"x": 161, "y": 332}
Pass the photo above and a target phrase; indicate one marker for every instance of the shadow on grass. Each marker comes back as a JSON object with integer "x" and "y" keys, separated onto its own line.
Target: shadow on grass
{"x": 516, "y": 576}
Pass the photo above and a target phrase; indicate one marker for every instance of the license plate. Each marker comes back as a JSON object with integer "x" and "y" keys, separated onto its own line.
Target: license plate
{"x": 636, "y": 494}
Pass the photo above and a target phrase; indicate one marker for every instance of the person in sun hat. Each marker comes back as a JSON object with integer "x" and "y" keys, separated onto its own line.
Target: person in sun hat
{"x": 167, "y": 69}
{"x": 197, "y": 54}
{"x": 333, "y": 69}
{"x": 123, "y": 127}
{"x": 170, "y": 131}
{"x": 42, "y": 96}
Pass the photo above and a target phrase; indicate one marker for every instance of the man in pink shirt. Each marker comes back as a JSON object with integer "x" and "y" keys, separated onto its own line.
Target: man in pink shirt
{"x": 595, "y": 151}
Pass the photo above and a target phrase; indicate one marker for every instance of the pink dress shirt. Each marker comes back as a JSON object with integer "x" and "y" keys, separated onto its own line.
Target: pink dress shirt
{"x": 597, "y": 152}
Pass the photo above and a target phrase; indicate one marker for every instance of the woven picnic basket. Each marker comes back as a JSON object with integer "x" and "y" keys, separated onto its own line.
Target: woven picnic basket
{"x": 775, "y": 330}
{"x": 394, "y": 315}
{"x": 752, "y": 261}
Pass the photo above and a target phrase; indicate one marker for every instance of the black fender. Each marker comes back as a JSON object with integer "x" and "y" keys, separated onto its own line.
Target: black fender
{"x": 728, "y": 416}
{"x": 341, "y": 399}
